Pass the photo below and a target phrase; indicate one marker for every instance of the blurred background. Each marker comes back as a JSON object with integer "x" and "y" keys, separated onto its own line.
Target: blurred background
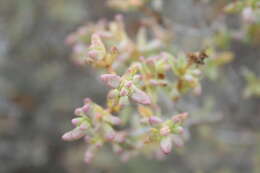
{"x": 40, "y": 87}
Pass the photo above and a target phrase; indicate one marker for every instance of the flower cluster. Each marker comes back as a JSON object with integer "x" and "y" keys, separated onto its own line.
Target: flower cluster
{"x": 137, "y": 71}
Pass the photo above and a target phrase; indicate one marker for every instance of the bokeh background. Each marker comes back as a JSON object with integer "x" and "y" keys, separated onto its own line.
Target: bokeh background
{"x": 40, "y": 87}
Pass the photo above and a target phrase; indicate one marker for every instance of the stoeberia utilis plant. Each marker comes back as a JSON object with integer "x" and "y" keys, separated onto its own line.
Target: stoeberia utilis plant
{"x": 139, "y": 72}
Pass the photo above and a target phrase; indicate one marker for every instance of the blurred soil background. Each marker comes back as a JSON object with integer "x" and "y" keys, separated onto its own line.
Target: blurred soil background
{"x": 40, "y": 87}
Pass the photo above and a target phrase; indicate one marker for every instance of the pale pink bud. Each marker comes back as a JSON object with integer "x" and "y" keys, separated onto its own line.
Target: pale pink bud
{"x": 83, "y": 126}
{"x": 166, "y": 145}
{"x": 178, "y": 141}
{"x": 123, "y": 92}
{"x": 87, "y": 101}
{"x": 179, "y": 130}
{"x": 117, "y": 149}
{"x": 73, "y": 135}
{"x": 93, "y": 54}
{"x": 88, "y": 157}
{"x": 180, "y": 118}
{"x": 76, "y": 121}
{"x": 140, "y": 97}
{"x": 112, "y": 80}
{"x": 129, "y": 84}
{"x": 165, "y": 130}
{"x": 78, "y": 111}
{"x": 85, "y": 108}
{"x": 110, "y": 135}
{"x": 113, "y": 120}
{"x": 154, "y": 120}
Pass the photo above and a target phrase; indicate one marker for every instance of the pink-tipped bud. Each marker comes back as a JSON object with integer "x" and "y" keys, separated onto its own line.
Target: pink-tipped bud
{"x": 179, "y": 130}
{"x": 76, "y": 121}
{"x": 165, "y": 131}
{"x": 123, "y": 92}
{"x": 93, "y": 54}
{"x": 180, "y": 118}
{"x": 154, "y": 120}
{"x": 129, "y": 84}
{"x": 140, "y": 97}
{"x": 166, "y": 145}
{"x": 73, "y": 135}
{"x": 85, "y": 108}
{"x": 110, "y": 135}
{"x": 178, "y": 141}
{"x": 87, "y": 101}
{"x": 112, "y": 80}
{"x": 113, "y": 120}
{"x": 88, "y": 157}
{"x": 78, "y": 111}
{"x": 83, "y": 126}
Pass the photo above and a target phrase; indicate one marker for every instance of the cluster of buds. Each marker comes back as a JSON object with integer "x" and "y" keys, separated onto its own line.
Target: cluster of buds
{"x": 100, "y": 44}
{"x": 136, "y": 71}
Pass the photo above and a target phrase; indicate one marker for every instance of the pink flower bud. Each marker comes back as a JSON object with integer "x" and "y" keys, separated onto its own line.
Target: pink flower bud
{"x": 93, "y": 54}
{"x": 85, "y": 108}
{"x": 165, "y": 131}
{"x": 110, "y": 135}
{"x": 180, "y": 118}
{"x": 112, "y": 80}
{"x": 73, "y": 135}
{"x": 78, "y": 111}
{"x": 88, "y": 157}
{"x": 113, "y": 120}
{"x": 87, "y": 101}
{"x": 83, "y": 126}
{"x": 177, "y": 140}
{"x": 154, "y": 120}
{"x": 166, "y": 145}
{"x": 123, "y": 92}
{"x": 129, "y": 84}
{"x": 76, "y": 121}
{"x": 179, "y": 130}
{"x": 140, "y": 97}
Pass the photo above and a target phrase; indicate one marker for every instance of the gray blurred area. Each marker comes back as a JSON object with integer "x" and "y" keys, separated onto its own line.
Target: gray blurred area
{"x": 40, "y": 87}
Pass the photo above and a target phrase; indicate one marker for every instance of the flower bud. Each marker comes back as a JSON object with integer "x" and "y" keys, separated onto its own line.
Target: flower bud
{"x": 180, "y": 118}
{"x": 179, "y": 130}
{"x": 166, "y": 145}
{"x": 78, "y": 111}
{"x": 177, "y": 141}
{"x": 123, "y": 92}
{"x": 73, "y": 135}
{"x": 140, "y": 97}
{"x": 154, "y": 120}
{"x": 83, "y": 126}
{"x": 76, "y": 121}
{"x": 88, "y": 157}
{"x": 165, "y": 131}
{"x": 85, "y": 108}
{"x": 112, "y": 80}
{"x": 113, "y": 120}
